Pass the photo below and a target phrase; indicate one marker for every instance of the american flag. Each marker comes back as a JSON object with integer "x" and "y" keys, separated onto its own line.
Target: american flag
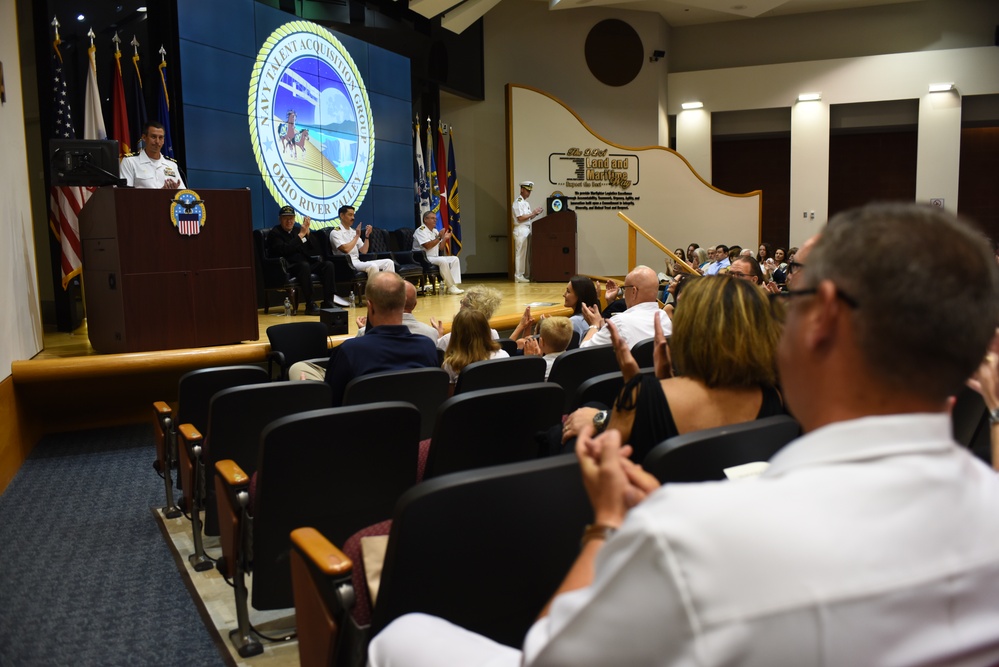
{"x": 65, "y": 202}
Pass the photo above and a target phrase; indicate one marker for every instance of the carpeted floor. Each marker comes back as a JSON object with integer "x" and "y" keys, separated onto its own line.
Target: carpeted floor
{"x": 86, "y": 577}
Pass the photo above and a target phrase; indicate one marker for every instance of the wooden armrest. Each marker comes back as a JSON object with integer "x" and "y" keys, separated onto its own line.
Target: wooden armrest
{"x": 232, "y": 473}
{"x": 162, "y": 409}
{"x": 326, "y": 557}
{"x": 189, "y": 433}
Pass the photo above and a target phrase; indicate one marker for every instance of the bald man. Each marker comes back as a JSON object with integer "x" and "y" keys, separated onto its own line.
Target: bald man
{"x": 637, "y": 322}
{"x": 408, "y": 318}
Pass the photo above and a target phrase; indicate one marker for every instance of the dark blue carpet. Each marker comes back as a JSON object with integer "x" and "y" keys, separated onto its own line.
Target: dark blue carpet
{"x": 86, "y": 577}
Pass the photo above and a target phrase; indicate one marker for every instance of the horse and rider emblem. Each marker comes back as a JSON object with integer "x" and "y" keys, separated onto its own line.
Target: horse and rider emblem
{"x": 310, "y": 121}
{"x": 290, "y": 136}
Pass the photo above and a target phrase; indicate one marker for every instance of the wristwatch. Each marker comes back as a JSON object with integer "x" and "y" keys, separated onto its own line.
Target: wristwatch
{"x": 600, "y": 420}
{"x": 993, "y": 416}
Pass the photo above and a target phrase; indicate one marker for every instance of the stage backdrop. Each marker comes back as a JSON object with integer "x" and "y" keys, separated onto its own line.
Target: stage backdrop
{"x": 298, "y": 114}
{"x": 654, "y": 186}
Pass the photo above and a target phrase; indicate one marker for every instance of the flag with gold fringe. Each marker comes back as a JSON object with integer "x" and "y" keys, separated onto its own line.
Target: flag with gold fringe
{"x": 454, "y": 215}
{"x": 119, "y": 111}
{"x": 164, "y": 106}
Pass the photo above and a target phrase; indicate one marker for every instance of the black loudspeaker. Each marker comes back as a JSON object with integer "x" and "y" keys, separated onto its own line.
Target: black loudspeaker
{"x": 557, "y": 204}
{"x": 335, "y": 320}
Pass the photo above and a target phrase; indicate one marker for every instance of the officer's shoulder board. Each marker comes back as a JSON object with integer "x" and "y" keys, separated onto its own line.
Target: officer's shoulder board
{"x": 169, "y": 158}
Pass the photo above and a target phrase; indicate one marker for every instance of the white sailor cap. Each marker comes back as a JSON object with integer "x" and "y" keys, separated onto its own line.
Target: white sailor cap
{"x": 527, "y": 184}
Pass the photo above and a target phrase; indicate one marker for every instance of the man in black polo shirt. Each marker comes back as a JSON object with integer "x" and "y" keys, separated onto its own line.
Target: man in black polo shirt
{"x": 387, "y": 345}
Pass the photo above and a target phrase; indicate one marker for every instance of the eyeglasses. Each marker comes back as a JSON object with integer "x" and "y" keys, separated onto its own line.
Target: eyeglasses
{"x": 840, "y": 294}
{"x": 794, "y": 267}
{"x": 738, "y": 274}
{"x": 629, "y": 287}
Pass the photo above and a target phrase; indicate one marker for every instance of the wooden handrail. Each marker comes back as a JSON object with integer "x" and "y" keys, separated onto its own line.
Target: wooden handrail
{"x": 633, "y": 241}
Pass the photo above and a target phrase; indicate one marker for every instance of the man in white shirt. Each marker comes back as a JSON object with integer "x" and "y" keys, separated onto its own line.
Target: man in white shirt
{"x": 871, "y": 540}
{"x": 149, "y": 168}
{"x": 523, "y": 216}
{"x": 638, "y": 321}
{"x": 344, "y": 238}
{"x": 428, "y": 239}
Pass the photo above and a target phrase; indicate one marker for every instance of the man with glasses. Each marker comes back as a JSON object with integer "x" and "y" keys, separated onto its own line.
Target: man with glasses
{"x": 637, "y": 321}
{"x": 747, "y": 268}
{"x": 873, "y": 539}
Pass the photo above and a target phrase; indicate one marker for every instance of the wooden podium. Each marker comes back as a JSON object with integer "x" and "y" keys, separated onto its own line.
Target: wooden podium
{"x": 148, "y": 287}
{"x": 553, "y": 247}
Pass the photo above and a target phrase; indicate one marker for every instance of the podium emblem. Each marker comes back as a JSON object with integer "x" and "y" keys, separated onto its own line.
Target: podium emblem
{"x": 556, "y": 205}
{"x": 187, "y": 212}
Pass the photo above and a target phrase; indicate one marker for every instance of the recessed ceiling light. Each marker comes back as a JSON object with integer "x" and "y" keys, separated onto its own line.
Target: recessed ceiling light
{"x": 686, "y": 106}
{"x": 81, "y": 18}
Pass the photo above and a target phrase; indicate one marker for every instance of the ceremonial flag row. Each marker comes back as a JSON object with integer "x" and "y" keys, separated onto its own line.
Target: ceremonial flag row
{"x": 436, "y": 183}
{"x": 128, "y": 121}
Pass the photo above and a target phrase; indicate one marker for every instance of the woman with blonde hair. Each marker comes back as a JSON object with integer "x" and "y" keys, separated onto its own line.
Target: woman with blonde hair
{"x": 477, "y": 297}
{"x": 470, "y": 341}
{"x": 718, "y": 369}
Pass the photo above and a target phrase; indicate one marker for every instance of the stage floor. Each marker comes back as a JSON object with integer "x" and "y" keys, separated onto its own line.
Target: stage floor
{"x": 516, "y": 296}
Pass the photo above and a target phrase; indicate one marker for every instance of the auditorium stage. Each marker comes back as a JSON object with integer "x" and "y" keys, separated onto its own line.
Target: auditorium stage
{"x": 68, "y": 386}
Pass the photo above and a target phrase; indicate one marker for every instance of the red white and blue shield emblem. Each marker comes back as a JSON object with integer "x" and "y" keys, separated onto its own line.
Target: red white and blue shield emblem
{"x": 187, "y": 212}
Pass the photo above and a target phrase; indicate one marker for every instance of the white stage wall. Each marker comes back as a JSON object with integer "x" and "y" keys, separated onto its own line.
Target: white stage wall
{"x": 652, "y": 185}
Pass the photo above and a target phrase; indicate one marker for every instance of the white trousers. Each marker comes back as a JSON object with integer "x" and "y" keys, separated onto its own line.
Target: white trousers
{"x": 450, "y": 268}
{"x": 374, "y": 266}
{"x": 419, "y": 640}
{"x": 521, "y": 233}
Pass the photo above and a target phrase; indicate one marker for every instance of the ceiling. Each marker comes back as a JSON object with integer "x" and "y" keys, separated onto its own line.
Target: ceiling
{"x": 694, "y": 12}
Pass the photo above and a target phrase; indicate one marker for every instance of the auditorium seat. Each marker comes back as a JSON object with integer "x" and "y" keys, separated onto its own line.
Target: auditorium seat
{"x": 572, "y": 367}
{"x": 492, "y": 426}
{"x": 337, "y": 470}
{"x": 194, "y": 391}
{"x": 425, "y": 388}
{"x": 497, "y": 373}
{"x": 448, "y": 554}
{"x": 704, "y": 455}
{"x": 236, "y": 417}
{"x": 296, "y": 341}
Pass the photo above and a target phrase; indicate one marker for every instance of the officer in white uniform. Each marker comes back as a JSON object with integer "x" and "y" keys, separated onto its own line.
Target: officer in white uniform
{"x": 428, "y": 239}
{"x": 149, "y": 168}
{"x": 523, "y": 216}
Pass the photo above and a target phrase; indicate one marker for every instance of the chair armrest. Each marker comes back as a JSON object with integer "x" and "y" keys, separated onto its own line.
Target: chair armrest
{"x": 324, "y": 556}
{"x": 189, "y": 434}
{"x": 421, "y": 258}
{"x": 162, "y": 409}
{"x": 232, "y": 474}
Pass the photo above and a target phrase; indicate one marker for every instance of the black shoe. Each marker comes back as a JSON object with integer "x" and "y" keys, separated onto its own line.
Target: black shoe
{"x": 328, "y": 303}
{"x": 312, "y": 310}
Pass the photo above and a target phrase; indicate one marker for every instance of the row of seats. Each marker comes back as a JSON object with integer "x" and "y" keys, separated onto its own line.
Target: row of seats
{"x": 396, "y": 245}
{"x": 340, "y": 470}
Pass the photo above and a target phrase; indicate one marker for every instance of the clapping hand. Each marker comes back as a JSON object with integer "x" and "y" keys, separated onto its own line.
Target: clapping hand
{"x": 610, "y": 290}
{"x": 660, "y": 352}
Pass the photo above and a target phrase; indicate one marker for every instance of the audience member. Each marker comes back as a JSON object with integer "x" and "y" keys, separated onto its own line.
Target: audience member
{"x": 477, "y": 297}
{"x": 870, "y": 540}
{"x": 701, "y": 260}
{"x": 635, "y": 323}
{"x": 471, "y": 340}
{"x": 720, "y": 262}
{"x": 553, "y": 339}
{"x": 388, "y": 344}
{"x": 579, "y": 291}
{"x": 408, "y": 319}
{"x": 723, "y": 351}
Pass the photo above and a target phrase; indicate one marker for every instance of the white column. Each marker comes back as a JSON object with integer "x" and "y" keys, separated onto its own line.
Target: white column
{"x": 693, "y": 140}
{"x": 809, "y": 169}
{"x": 938, "y": 152}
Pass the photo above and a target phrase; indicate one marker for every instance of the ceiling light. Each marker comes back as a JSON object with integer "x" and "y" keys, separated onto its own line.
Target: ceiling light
{"x": 809, "y": 97}
{"x": 941, "y": 87}
{"x": 81, "y": 18}
{"x": 687, "y": 106}
{"x": 141, "y": 9}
